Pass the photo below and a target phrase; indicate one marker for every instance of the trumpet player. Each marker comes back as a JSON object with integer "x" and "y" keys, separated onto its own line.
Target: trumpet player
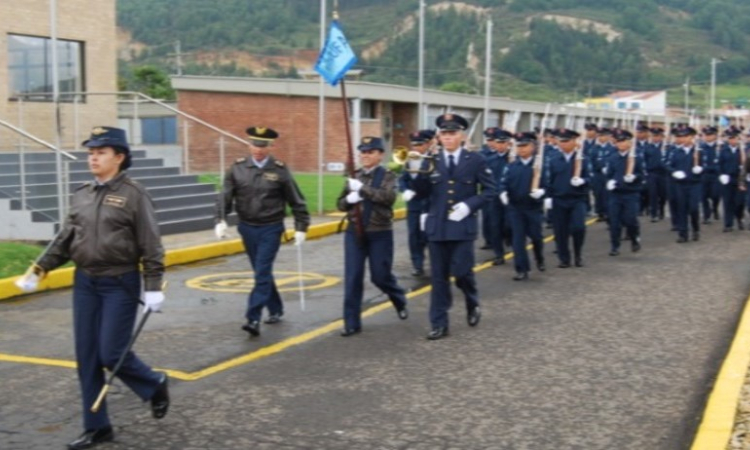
{"x": 416, "y": 207}
{"x": 625, "y": 175}
{"x": 731, "y": 162}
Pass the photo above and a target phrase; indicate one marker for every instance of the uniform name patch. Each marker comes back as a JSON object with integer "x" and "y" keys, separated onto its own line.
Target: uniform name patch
{"x": 113, "y": 200}
{"x": 270, "y": 176}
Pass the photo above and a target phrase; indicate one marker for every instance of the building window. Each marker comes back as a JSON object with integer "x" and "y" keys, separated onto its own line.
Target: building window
{"x": 159, "y": 130}
{"x": 30, "y": 67}
{"x": 622, "y": 105}
{"x": 635, "y": 105}
{"x": 367, "y": 109}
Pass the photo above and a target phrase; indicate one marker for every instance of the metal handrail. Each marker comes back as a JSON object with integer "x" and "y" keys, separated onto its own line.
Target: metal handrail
{"x": 37, "y": 140}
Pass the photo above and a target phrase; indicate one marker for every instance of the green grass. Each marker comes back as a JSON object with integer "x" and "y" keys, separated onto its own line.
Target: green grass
{"x": 15, "y": 258}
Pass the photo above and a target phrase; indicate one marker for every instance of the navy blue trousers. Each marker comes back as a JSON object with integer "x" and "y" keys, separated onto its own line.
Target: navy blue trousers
{"x": 377, "y": 247}
{"x": 687, "y": 197}
{"x": 712, "y": 194}
{"x": 569, "y": 219}
{"x": 499, "y": 230}
{"x": 487, "y": 223}
{"x": 733, "y": 204}
{"x": 526, "y": 223}
{"x": 657, "y": 194}
{"x": 451, "y": 258}
{"x": 104, "y": 314}
{"x": 623, "y": 211}
{"x": 261, "y": 245}
{"x": 599, "y": 186}
{"x": 417, "y": 239}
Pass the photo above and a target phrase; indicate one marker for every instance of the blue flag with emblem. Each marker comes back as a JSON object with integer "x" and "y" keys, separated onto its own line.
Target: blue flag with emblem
{"x": 723, "y": 121}
{"x": 336, "y": 57}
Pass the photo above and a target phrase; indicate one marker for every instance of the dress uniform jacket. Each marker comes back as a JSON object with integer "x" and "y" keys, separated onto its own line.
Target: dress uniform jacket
{"x": 380, "y": 199}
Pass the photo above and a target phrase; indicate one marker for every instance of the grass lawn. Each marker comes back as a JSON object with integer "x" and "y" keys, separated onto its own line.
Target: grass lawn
{"x": 15, "y": 258}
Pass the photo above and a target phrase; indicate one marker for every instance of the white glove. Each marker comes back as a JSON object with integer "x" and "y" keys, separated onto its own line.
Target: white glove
{"x": 697, "y": 170}
{"x": 414, "y": 164}
{"x": 353, "y": 197}
{"x": 611, "y": 185}
{"x": 299, "y": 237}
{"x": 548, "y": 203}
{"x": 537, "y": 193}
{"x": 354, "y": 184}
{"x": 747, "y": 178}
{"x": 422, "y": 221}
{"x": 679, "y": 175}
{"x": 459, "y": 212}
{"x": 577, "y": 181}
{"x": 628, "y": 178}
{"x": 724, "y": 178}
{"x": 604, "y": 171}
{"x": 504, "y": 198}
{"x": 408, "y": 195}
{"x": 220, "y": 229}
{"x": 153, "y": 299}
{"x": 29, "y": 282}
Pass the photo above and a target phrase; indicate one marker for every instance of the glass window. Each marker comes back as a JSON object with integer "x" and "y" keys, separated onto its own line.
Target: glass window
{"x": 635, "y": 105}
{"x": 159, "y": 130}
{"x": 622, "y": 105}
{"x": 30, "y": 67}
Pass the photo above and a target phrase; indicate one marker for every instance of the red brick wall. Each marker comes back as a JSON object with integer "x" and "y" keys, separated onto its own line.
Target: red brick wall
{"x": 294, "y": 118}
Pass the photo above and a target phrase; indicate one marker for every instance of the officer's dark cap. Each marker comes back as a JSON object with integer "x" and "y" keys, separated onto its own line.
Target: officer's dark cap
{"x": 566, "y": 134}
{"x": 621, "y": 135}
{"x": 732, "y": 132}
{"x": 642, "y": 127}
{"x": 108, "y": 137}
{"x": 590, "y": 127}
{"x": 261, "y": 136}
{"x": 451, "y": 122}
{"x": 371, "y": 143}
{"x": 656, "y": 130}
{"x": 684, "y": 131}
{"x": 489, "y": 132}
{"x": 603, "y": 131}
{"x": 421, "y": 136}
{"x": 709, "y": 130}
{"x": 524, "y": 137}
{"x": 501, "y": 135}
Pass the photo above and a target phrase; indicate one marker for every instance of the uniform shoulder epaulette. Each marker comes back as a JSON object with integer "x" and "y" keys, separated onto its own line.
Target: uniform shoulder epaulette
{"x": 84, "y": 185}
{"x": 240, "y": 160}
{"x": 279, "y": 163}
{"x": 131, "y": 182}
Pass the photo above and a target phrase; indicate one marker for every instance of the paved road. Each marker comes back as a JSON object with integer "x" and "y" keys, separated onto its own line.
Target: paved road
{"x": 619, "y": 354}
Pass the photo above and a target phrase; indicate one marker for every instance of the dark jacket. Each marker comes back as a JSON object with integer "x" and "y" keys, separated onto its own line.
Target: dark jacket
{"x": 109, "y": 231}
{"x": 517, "y": 183}
{"x": 616, "y": 167}
{"x": 380, "y": 199}
{"x": 679, "y": 160}
{"x": 559, "y": 174}
{"x": 260, "y": 195}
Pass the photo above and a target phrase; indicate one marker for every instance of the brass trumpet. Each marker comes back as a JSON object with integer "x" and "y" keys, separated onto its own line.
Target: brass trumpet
{"x": 402, "y": 156}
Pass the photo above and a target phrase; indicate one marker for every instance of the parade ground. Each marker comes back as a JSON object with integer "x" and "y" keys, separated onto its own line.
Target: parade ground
{"x": 619, "y": 354}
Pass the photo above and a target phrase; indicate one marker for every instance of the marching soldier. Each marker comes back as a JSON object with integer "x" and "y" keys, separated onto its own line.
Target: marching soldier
{"x": 569, "y": 180}
{"x": 588, "y": 148}
{"x": 260, "y": 187}
{"x": 685, "y": 169}
{"x": 641, "y": 138}
{"x": 600, "y": 153}
{"x": 524, "y": 206}
{"x": 625, "y": 176}
{"x": 489, "y": 153}
{"x": 711, "y": 188}
{"x": 655, "y": 159}
{"x": 730, "y": 167}
{"x": 499, "y": 228}
{"x": 110, "y": 231}
{"x": 415, "y": 207}
{"x": 374, "y": 188}
{"x": 455, "y": 196}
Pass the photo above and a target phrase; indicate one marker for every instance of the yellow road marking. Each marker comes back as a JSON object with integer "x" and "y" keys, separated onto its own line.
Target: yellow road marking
{"x": 264, "y": 351}
{"x": 243, "y": 281}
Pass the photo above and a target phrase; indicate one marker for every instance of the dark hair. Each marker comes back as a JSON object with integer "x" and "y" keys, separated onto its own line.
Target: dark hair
{"x": 128, "y": 161}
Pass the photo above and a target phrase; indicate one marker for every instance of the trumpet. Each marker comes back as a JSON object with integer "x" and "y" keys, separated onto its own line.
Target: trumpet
{"x": 403, "y": 157}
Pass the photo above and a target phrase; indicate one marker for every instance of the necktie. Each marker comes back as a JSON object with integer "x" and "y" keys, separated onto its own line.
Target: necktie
{"x": 451, "y": 165}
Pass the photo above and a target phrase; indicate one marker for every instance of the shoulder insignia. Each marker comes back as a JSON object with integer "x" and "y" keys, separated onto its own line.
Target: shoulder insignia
{"x": 240, "y": 160}
{"x": 279, "y": 163}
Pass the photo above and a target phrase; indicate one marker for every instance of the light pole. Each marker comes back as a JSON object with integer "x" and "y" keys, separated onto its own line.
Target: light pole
{"x": 714, "y": 62}
{"x": 420, "y": 51}
{"x": 686, "y": 86}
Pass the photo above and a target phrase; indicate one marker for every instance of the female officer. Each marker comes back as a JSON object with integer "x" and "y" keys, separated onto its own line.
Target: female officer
{"x": 111, "y": 229}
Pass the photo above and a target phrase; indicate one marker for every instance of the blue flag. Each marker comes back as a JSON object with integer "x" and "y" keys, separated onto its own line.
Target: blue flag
{"x": 723, "y": 121}
{"x": 336, "y": 57}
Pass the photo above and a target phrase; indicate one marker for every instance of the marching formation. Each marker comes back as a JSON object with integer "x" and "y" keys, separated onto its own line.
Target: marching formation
{"x": 518, "y": 182}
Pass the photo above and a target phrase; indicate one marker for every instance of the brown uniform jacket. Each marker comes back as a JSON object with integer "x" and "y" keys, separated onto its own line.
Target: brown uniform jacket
{"x": 382, "y": 199}
{"x": 109, "y": 231}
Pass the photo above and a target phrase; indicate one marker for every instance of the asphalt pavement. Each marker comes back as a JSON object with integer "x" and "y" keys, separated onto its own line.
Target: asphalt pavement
{"x": 619, "y": 354}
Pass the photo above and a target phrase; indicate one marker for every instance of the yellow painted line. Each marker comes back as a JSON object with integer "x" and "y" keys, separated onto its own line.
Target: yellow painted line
{"x": 717, "y": 424}
{"x": 268, "y": 350}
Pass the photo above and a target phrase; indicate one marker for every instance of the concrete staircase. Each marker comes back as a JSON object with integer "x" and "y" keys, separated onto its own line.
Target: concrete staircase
{"x": 182, "y": 203}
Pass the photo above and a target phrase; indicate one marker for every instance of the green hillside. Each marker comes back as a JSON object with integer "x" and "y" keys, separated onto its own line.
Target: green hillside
{"x": 558, "y": 50}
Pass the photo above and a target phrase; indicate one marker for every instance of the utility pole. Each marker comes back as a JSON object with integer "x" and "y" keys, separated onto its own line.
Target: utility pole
{"x": 178, "y": 56}
{"x": 687, "y": 94}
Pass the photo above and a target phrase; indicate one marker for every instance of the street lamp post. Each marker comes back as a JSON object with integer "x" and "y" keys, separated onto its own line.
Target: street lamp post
{"x": 714, "y": 62}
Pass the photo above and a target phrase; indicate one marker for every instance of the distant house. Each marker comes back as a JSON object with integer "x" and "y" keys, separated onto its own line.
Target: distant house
{"x": 645, "y": 102}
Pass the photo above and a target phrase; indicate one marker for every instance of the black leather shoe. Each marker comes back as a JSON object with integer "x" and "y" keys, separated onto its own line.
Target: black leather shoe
{"x": 727, "y": 230}
{"x": 579, "y": 262}
{"x": 498, "y": 261}
{"x": 160, "y": 399}
{"x": 520, "y": 276}
{"x": 696, "y": 236}
{"x": 614, "y": 252}
{"x": 740, "y": 225}
{"x": 350, "y": 332}
{"x": 654, "y": 220}
{"x": 682, "y": 239}
{"x": 252, "y": 327}
{"x": 540, "y": 266}
{"x": 273, "y": 318}
{"x": 706, "y": 222}
{"x": 437, "y": 333}
{"x": 563, "y": 265}
{"x": 473, "y": 316}
{"x": 91, "y": 438}
{"x": 635, "y": 245}
{"x": 673, "y": 229}
{"x": 417, "y": 273}
{"x": 403, "y": 313}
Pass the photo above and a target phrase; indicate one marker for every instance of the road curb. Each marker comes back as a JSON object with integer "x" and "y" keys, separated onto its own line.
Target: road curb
{"x": 63, "y": 278}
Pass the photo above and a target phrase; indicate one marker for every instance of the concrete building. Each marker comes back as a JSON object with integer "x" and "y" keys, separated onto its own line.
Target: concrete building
{"x": 647, "y": 102}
